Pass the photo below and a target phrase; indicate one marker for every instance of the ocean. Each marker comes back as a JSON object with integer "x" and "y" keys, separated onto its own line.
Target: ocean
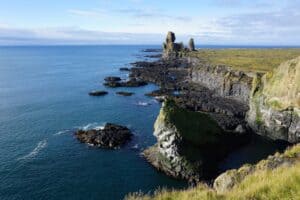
{"x": 44, "y": 99}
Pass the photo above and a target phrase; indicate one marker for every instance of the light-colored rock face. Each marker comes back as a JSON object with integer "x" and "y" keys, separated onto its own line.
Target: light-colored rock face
{"x": 274, "y": 106}
{"x": 168, "y": 137}
{"x": 168, "y": 143}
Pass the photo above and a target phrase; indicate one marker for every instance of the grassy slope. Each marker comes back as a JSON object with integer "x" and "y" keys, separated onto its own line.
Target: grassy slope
{"x": 281, "y": 183}
{"x": 262, "y": 60}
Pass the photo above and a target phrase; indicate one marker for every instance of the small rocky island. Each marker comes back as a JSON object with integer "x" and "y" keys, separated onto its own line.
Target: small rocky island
{"x": 112, "y": 136}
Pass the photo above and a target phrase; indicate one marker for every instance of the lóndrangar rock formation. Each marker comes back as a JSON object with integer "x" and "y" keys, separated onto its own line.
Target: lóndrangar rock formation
{"x": 172, "y": 50}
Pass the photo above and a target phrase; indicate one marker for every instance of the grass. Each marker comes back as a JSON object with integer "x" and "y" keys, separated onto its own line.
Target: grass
{"x": 259, "y": 60}
{"x": 195, "y": 127}
{"x": 264, "y": 184}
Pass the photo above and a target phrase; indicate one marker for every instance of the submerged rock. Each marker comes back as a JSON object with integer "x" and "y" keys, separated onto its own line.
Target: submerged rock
{"x": 98, "y": 93}
{"x": 111, "y": 136}
{"x": 125, "y": 93}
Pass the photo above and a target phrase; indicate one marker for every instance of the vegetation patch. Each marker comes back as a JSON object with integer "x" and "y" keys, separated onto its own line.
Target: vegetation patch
{"x": 259, "y": 60}
{"x": 195, "y": 127}
{"x": 264, "y": 183}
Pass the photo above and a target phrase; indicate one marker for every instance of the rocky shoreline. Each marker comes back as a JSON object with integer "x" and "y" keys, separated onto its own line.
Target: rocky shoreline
{"x": 221, "y": 108}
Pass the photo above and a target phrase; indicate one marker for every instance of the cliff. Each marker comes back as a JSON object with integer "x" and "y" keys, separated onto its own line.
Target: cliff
{"x": 273, "y": 97}
{"x": 186, "y": 143}
{"x": 275, "y": 103}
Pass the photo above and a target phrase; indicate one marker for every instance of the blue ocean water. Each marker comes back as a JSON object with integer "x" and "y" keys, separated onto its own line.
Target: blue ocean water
{"x": 43, "y": 100}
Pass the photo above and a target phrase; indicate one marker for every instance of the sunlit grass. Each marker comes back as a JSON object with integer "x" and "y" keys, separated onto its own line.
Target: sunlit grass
{"x": 262, "y": 60}
{"x": 264, "y": 184}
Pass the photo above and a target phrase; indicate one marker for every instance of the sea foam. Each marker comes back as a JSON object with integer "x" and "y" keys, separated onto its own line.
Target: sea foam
{"x": 41, "y": 145}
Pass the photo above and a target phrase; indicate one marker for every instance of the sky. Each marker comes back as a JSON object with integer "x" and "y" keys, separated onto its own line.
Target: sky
{"x": 209, "y": 22}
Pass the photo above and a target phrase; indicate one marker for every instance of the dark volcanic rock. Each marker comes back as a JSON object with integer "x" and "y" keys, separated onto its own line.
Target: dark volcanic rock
{"x": 154, "y": 56}
{"x": 112, "y": 84}
{"x": 98, "y": 93}
{"x": 159, "y": 93}
{"x": 125, "y": 93}
{"x": 133, "y": 82}
{"x": 111, "y": 136}
{"x": 124, "y": 69}
{"x": 112, "y": 79}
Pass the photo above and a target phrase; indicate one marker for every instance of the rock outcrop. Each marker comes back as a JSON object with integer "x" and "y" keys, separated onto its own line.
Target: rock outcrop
{"x": 113, "y": 82}
{"x": 186, "y": 143}
{"x": 170, "y": 48}
{"x": 112, "y": 136}
{"x": 275, "y": 103}
{"x": 192, "y": 45}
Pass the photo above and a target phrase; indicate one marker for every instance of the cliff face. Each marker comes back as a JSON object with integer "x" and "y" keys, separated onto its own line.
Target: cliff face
{"x": 273, "y": 98}
{"x": 275, "y": 102}
{"x": 224, "y": 81}
{"x": 186, "y": 143}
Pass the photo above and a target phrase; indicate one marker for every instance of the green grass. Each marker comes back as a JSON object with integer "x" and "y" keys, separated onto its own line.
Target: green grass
{"x": 261, "y": 60}
{"x": 264, "y": 184}
{"x": 195, "y": 127}
{"x": 279, "y": 184}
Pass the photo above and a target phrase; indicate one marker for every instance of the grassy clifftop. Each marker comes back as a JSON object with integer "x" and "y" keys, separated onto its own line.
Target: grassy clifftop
{"x": 266, "y": 182}
{"x": 261, "y": 60}
{"x": 282, "y": 87}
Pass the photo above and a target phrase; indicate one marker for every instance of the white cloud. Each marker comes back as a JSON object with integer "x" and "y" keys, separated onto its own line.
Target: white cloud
{"x": 87, "y": 13}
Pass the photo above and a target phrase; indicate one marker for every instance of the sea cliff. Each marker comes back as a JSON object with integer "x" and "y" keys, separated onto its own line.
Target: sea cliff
{"x": 217, "y": 98}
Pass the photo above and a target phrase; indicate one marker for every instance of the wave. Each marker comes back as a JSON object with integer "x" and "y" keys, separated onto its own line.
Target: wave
{"x": 41, "y": 145}
{"x": 61, "y": 132}
{"x": 143, "y": 103}
{"x": 89, "y": 126}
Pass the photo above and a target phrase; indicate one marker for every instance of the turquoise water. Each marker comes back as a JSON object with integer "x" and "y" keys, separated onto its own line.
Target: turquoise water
{"x": 43, "y": 99}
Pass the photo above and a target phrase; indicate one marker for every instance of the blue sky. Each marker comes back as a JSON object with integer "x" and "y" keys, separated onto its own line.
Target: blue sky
{"x": 256, "y": 22}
